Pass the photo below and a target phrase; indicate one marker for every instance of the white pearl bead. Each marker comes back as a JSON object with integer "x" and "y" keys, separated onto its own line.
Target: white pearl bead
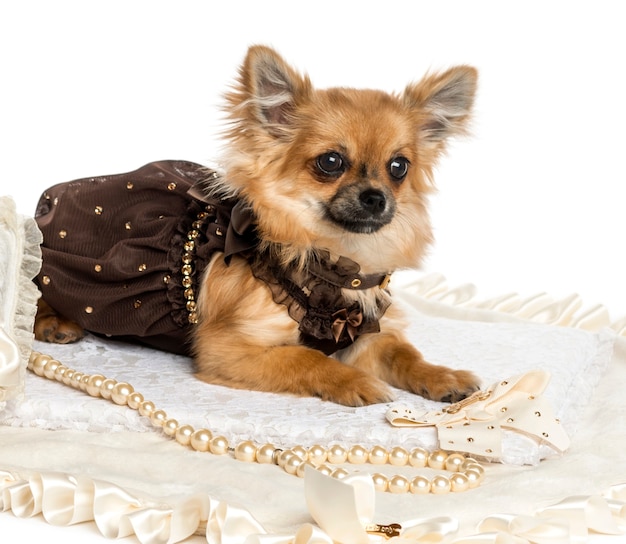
{"x": 440, "y": 485}
{"x": 170, "y": 426}
{"x": 83, "y": 382}
{"x": 398, "y": 456}
{"x": 200, "y": 440}
{"x": 337, "y": 454}
{"x": 95, "y": 384}
{"x": 339, "y": 473}
{"x": 292, "y": 464}
{"x": 437, "y": 459}
{"x": 76, "y": 379}
{"x": 134, "y": 400}
{"x": 302, "y": 468}
{"x": 317, "y": 454}
{"x": 476, "y": 467}
{"x": 459, "y": 482}
{"x": 265, "y": 454}
{"x": 105, "y": 390}
{"x": 67, "y": 378}
{"x": 218, "y": 445}
{"x": 454, "y": 462}
{"x": 325, "y": 469}
{"x": 39, "y": 363}
{"x": 120, "y": 393}
{"x": 418, "y": 457}
{"x": 146, "y": 407}
{"x": 420, "y": 485}
{"x": 357, "y": 455}
{"x": 469, "y": 461}
{"x": 157, "y": 418}
{"x": 380, "y": 481}
{"x": 59, "y": 373}
{"x": 378, "y": 455}
{"x": 183, "y": 434}
{"x": 398, "y": 484}
{"x": 50, "y": 368}
{"x": 283, "y": 457}
{"x": 245, "y": 451}
{"x": 300, "y": 451}
{"x": 474, "y": 477}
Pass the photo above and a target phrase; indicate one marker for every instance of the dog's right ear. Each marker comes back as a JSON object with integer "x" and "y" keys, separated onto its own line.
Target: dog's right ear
{"x": 444, "y": 102}
{"x": 271, "y": 89}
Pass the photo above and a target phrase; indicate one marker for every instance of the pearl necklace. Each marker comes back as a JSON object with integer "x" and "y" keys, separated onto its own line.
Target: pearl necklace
{"x": 466, "y": 472}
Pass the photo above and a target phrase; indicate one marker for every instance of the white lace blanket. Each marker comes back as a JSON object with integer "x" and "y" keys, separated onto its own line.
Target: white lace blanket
{"x": 445, "y": 324}
{"x": 576, "y": 360}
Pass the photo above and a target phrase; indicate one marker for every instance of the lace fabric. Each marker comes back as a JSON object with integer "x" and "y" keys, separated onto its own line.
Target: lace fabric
{"x": 575, "y": 359}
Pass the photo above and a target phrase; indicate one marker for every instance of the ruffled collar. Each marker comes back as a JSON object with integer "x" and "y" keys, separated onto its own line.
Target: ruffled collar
{"x": 313, "y": 293}
{"x": 314, "y": 297}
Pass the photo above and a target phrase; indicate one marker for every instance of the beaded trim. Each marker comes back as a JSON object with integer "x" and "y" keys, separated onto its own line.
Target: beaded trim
{"x": 188, "y": 260}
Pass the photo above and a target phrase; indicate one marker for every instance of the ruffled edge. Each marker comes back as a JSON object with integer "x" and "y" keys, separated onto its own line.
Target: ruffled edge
{"x": 66, "y": 499}
{"x": 19, "y": 293}
{"x": 437, "y": 297}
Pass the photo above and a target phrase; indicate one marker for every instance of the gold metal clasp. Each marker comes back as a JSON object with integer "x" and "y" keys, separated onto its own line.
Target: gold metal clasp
{"x": 478, "y": 396}
{"x": 385, "y": 282}
{"x": 388, "y": 531}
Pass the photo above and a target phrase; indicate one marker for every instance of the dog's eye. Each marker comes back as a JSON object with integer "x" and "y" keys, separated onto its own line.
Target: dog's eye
{"x": 331, "y": 163}
{"x": 398, "y": 168}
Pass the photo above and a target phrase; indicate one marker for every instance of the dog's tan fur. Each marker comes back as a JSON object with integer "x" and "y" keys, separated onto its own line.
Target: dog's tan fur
{"x": 279, "y": 126}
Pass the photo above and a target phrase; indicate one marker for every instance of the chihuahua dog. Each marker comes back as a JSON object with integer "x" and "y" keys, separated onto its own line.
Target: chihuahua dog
{"x": 328, "y": 188}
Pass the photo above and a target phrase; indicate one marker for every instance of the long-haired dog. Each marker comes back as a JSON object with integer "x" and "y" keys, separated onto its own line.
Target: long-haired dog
{"x": 333, "y": 184}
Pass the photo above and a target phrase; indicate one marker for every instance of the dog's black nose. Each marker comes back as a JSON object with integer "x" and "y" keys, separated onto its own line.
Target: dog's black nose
{"x": 373, "y": 201}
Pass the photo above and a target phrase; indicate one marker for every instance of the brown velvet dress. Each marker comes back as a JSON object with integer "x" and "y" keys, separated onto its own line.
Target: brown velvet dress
{"x": 113, "y": 248}
{"x": 123, "y": 256}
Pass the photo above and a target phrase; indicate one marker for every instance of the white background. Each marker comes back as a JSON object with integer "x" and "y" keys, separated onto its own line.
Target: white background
{"x": 533, "y": 202}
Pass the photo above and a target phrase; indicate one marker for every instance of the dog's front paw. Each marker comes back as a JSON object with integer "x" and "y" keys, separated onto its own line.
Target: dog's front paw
{"x": 450, "y": 385}
{"x": 359, "y": 390}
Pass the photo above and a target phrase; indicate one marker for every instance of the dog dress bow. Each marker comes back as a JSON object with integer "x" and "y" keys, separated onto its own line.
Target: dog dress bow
{"x": 475, "y": 424}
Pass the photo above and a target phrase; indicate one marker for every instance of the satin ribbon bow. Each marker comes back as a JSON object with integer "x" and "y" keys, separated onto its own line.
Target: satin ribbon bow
{"x": 344, "y": 319}
{"x": 474, "y": 425}
{"x": 344, "y": 510}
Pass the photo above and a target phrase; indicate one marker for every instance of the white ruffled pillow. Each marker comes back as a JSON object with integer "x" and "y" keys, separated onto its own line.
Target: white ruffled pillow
{"x": 20, "y": 260}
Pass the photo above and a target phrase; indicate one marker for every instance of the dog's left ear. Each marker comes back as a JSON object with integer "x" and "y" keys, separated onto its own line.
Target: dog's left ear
{"x": 443, "y": 103}
{"x": 273, "y": 89}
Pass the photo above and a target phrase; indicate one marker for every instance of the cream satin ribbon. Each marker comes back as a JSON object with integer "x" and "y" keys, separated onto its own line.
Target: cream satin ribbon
{"x": 475, "y": 425}
{"x": 569, "y": 522}
{"x": 9, "y": 362}
{"x": 343, "y": 510}
{"x": 65, "y": 500}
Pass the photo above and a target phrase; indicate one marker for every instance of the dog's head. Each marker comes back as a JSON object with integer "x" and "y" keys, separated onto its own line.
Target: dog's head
{"x": 342, "y": 170}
